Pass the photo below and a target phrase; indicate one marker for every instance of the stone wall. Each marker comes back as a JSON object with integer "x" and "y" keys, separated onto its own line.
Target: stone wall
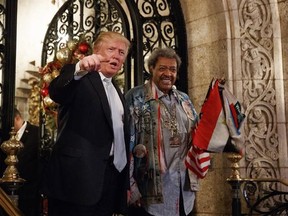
{"x": 245, "y": 42}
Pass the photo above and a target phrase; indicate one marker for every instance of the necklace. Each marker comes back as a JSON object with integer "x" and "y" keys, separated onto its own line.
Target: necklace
{"x": 170, "y": 122}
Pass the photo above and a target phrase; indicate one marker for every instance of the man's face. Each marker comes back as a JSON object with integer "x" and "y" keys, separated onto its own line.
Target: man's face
{"x": 164, "y": 74}
{"x": 17, "y": 122}
{"x": 114, "y": 54}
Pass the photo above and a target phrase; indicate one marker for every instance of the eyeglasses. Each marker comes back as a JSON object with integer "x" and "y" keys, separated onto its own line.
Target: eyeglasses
{"x": 165, "y": 68}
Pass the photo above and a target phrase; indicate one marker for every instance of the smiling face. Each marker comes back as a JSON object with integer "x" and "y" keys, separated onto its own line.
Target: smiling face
{"x": 164, "y": 73}
{"x": 114, "y": 53}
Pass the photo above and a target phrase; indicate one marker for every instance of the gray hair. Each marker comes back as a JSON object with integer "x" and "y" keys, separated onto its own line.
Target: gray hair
{"x": 163, "y": 52}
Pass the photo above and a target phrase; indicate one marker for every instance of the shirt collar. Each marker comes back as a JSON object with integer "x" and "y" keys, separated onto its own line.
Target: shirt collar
{"x": 20, "y": 132}
{"x": 103, "y": 77}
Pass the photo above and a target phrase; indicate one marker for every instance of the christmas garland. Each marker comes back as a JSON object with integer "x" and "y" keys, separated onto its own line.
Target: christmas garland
{"x": 72, "y": 52}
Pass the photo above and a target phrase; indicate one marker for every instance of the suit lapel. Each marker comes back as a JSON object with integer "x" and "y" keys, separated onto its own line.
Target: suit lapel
{"x": 99, "y": 88}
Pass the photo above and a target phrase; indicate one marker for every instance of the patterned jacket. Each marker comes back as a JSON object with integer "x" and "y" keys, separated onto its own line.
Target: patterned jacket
{"x": 145, "y": 167}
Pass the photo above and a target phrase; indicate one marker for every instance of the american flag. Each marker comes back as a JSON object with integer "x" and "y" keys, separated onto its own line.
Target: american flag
{"x": 198, "y": 161}
{"x": 219, "y": 128}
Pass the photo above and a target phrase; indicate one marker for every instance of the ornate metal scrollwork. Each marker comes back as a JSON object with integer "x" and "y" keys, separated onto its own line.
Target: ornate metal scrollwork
{"x": 264, "y": 197}
{"x": 2, "y": 30}
{"x": 78, "y": 18}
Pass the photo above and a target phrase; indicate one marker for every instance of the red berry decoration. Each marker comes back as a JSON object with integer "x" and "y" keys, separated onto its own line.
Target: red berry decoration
{"x": 44, "y": 92}
{"x": 83, "y": 47}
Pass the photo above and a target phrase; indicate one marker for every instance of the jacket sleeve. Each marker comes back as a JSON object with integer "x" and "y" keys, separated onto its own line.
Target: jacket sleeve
{"x": 62, "y": 87}
{"x": 132, "y": 119}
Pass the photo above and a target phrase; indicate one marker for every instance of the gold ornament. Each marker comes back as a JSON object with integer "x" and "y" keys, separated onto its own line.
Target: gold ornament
{"x": 55, "y": 73}
{"x": 48, "y": 101}
{"x": 72, "y": 44}
{"x": 47, "y": 78}
{"x": 64, "y": 55}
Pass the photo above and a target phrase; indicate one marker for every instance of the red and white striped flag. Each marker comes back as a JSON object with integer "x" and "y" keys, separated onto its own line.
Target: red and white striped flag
{"x": 198, "y": 161}
{"x": 219, "y": 128}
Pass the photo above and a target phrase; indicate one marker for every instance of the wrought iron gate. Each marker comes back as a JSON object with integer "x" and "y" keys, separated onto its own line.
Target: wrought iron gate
{"x": 147, "y": 24}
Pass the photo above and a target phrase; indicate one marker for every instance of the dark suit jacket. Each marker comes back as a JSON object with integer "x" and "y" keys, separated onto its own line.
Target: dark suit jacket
{"x": 29, "y": 168}
{"x": 85, "y": 135}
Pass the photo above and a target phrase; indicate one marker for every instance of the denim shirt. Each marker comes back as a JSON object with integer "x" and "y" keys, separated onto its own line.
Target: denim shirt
{"x": 160, "y": 165}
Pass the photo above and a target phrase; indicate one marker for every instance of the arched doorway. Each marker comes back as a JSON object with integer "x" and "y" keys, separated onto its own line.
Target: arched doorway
{"x": 146, "y": 24}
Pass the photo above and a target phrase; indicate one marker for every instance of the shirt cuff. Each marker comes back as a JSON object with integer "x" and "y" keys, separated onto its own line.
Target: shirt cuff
{"x": 78, "y": 74}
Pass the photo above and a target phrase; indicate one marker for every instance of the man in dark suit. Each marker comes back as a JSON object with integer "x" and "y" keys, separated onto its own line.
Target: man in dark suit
{"x": 28, "y": 165}
{"x": 83, "y": 176}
